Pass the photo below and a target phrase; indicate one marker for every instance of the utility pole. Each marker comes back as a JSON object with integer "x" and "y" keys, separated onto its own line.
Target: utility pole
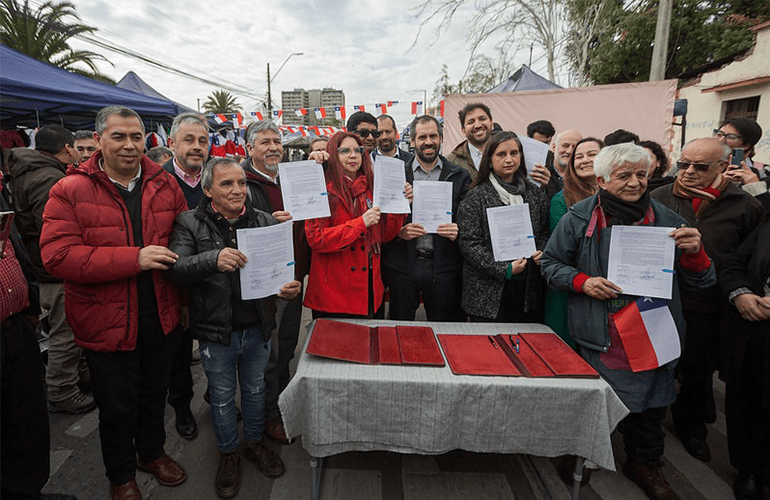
{"x": 660, "y": 49}
{"x": 269, "y": 97}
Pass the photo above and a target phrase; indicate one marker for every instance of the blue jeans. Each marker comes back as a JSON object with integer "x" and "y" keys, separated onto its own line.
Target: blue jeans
{"x": 247, "y": 354}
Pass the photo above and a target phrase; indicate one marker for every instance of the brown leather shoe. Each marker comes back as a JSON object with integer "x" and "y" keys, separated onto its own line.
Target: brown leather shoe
{"x": 165, "y": 470}
{"x": 649, "y": 477}
{"x": 267, "y": 461}
{"x": 128, "y": 491}
{"x": 228, "y": 474}
{"x": 275, "y": 431}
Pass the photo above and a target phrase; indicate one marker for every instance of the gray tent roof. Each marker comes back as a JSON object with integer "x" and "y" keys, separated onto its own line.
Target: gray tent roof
{"x": 524, "y": 79}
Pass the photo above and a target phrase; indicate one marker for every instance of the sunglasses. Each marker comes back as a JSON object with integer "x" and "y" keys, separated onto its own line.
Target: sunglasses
{"x": 730, "y": 137}
{"x": 700, "y": 167}
{"x": 350, "y": 151}
{"x": 364, "y": 133}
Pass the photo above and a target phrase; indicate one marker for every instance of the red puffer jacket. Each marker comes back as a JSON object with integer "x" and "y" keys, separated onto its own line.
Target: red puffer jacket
{"x": 87, "y": 241}
{"x": 338, "y": 280}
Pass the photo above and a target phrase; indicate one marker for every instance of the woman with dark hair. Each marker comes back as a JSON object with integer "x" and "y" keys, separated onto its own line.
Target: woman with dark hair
{"x": 345, "y": 278}
{"x": 659, "y": 170}
{"x": 509, "y": 291}
{"x": 579, "y": 184}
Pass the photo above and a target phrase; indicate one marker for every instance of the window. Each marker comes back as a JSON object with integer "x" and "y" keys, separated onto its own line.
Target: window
{"x": 741, "y": 108}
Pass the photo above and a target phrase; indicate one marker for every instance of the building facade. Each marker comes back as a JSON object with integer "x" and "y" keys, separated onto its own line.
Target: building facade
{"x": 328, "y": 98}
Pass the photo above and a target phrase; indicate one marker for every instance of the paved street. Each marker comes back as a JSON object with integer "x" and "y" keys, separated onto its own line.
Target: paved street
{"x": 77, "y": 468}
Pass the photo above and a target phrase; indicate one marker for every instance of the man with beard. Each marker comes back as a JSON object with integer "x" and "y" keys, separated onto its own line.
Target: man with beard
{"x": 265, "y": 151}
{"x": 364, "y": 125}
{"x": 386, "y": 145}
{"x": 419, "y": 263}
{"x": 190, "y": 143}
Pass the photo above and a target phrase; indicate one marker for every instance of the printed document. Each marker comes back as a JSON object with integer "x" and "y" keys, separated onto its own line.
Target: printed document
{"x": 389, "y": 181}
{"x": 303, "y": 190}
{"x": 270, "y": 254}
{"x": 432, "y": 204}
{"x": 642, "y": 260}
{"x": 510, "y": 228}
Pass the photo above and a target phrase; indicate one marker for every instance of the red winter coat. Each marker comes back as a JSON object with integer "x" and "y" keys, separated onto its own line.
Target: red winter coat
{"x": 87, "y": 241}
{"x": 338, "y": 280}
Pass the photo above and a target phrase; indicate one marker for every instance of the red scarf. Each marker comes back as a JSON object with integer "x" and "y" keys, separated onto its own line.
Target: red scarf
{"x": 701, "y": 198}
{"x": 360, "y": 204}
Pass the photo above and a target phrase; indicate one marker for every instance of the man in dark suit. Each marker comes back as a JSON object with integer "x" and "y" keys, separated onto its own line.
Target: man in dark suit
{"x": 386, "y": 144}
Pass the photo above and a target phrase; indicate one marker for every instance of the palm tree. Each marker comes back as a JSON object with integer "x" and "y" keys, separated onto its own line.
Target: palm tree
{"x": 44, "y": 34}
{"x": 221, "y": 102}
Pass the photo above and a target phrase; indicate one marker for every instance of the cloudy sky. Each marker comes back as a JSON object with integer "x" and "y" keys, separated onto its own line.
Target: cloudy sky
{"x": 363, "y": 47}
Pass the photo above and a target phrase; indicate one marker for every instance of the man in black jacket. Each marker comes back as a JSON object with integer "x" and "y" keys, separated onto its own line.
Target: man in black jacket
{"x": 417, "y": 263}
{"x": 234, "y": 334}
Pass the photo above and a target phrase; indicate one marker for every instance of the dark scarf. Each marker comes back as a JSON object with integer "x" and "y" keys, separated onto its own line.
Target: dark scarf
{"x": 360, "y": 204}
{"x": 623, "y": 213}
{"x": 518, "y": 186}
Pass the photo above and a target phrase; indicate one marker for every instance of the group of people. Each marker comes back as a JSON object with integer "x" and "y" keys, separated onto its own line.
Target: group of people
{"x": 147, "y": 259}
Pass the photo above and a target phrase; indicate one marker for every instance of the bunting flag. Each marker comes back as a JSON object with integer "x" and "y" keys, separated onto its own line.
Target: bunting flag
{"x": 339, "y": 113}
{"x": 258, "y": 115}
{"x": 277, "y": 114}
{"x": 382, "y": 108}
{"x": 391, "y": 103}
{"x": 320, "y": 113}
{"x": 329, "y": 131}
{"x": 315, "y": 130}
{"x": 237, "y": 119}
{"x": 648, "y": 333}
{"x": 359, "y": 108}
{"x": 220, "y": 118}
{"x": 417, "y": 108}
{"x": 442, "y": 108}
{"x": 301, "y": 112}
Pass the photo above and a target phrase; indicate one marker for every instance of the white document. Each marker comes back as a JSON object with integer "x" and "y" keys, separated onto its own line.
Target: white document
{"x": 303, "y": 190}
{"x": 510, "y": 228}
{"x": 270, "y": 254}
{"x": 389, "y": 180}
{"x": 642, "y": 260}
{"x": 432, "y": 204}
{"x": 535, "y": 153}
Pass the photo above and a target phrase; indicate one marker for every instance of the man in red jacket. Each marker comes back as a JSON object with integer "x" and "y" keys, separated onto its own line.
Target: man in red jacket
{"x": 106, "y": 228}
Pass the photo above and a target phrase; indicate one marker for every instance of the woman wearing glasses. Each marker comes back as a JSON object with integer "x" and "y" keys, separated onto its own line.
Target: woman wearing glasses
{"x": 742, "y": 133}
{"x": 345, "y": 279}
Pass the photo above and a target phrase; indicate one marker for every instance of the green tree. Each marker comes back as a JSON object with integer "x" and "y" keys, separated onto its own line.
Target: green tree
{"x": 44, "y": 34}
{"x": 221, "y": 102}
{"x": 617, "y": 47}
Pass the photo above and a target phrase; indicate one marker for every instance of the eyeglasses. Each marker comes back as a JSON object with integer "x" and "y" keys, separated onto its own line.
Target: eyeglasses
{"x": 700, "y": 167}
{"x": 349, "y": 151}
{"x": 730, "y": 137}
{"x": 364, "y": 133}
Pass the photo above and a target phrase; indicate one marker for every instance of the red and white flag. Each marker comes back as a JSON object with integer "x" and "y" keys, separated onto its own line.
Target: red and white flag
{"x": 442, "y": 108}
{"x": 303, "y": 131}
{"x": 258, "y": 114}
{"x": 237, "y": 119}
{"x": 359, "y": 107}
{"x": 315, "y": 130}
{"x": 417, "y": 108}
{"x": 648, "y": 333}
{"x": 391, "y": 103}
{"x": 382, "y": 108}
{"x": 320, "y": 113}
{"x": 220, "y": 118}
{"x": 277, "y": 114}
{"x": 339, "y": 113}
{"x": 301, "y": 112}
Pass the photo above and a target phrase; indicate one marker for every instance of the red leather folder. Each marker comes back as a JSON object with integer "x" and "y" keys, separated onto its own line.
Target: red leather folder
{"x": 396, "y": 345}
{"x": 540, "y": 355}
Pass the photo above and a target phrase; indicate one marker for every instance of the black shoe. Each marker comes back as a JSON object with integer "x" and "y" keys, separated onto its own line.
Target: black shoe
{"x": 207, "y": 399}
{"x": 747, "y": 487}
{"x": 57, "y": 496}
{"x": 185, "y": 423}
{"x": 695, "y": 446}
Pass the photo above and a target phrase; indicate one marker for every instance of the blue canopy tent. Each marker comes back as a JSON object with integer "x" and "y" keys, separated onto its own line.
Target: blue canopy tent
{"x": 524, "y": 79}
{"x": 131, "y": 81}
{"x": 34, "y": 93}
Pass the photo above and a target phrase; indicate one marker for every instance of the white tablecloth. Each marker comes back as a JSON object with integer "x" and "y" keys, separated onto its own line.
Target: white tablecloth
{"x": 339, "y": 407}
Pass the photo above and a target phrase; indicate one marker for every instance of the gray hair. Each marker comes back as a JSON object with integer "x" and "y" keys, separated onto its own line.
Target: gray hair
{"x": 261, "y": 126}
{"x": 157, "y": 152}
{"x": 84, "y": 134}
{"x": 207, "y": 175}
{"x": 611, "y": 157}
{"x": 190, "y": 117}
{"x": 104, "y": 113}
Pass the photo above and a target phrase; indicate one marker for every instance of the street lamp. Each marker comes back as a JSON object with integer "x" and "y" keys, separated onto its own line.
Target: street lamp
{"x": 269, "y": 80}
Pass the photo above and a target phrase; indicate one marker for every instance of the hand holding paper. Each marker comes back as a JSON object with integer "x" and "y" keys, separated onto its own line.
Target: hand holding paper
{"x": 687, "y": 239}
{"x": 601, "y": 289}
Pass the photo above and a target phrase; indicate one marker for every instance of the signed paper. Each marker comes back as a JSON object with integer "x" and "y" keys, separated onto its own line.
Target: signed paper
{"x": 535, "y": 153}
{"x": 303, "y": 189}
{"x": 270, "y": 254}
{"x": 389, "y": 180}
{"x": 432, "y": 204}
{"x": 510, "y": 229}
{"x": 642, "y": 260}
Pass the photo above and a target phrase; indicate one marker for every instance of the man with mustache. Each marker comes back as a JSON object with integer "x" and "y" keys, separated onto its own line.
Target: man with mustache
{"x": 190, "y": 143}
{"x": 417, "y": 263}
{"x": 265, "y": 149}
{"x": 386, "y": 144}
{"x": 476, "y": 123}
{"x": 365, "y": 125}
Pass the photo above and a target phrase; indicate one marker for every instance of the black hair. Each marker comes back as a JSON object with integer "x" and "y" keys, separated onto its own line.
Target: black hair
{"x": 485, "y": 167}
{"x": 657, "y": 150}
{"x": 619, "y": 137}
{"x": 425, "y": 119}
{"x": 470, "y": 107}
{"x": 360, "y": 117}
{"x": 541, "y": 127}
{"x": 748, "y": 129}
{"x": 52, "y": 139}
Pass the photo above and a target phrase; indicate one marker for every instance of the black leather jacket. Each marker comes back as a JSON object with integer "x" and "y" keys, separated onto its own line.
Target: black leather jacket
{"x": 198, "y": 241}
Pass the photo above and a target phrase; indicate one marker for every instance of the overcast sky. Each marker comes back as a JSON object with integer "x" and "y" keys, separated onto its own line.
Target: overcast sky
{"x": 363, "y": 47}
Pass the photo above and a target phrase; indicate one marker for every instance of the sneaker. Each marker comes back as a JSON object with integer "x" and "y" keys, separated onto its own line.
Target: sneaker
{"x": 228, "y": 479}
{"x": 77, "y": 403}
{"x": 649, "y": 477}
{"x": 267, "y": 461}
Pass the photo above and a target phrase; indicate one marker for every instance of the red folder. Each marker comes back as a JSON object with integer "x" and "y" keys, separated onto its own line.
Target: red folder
{"x": 540, "y": 355}
{"x": 396, "y": 345}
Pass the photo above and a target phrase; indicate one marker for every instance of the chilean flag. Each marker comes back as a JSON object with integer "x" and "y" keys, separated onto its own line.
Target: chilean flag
{"x": 382, "y": 108}
{"x": 278, "y": 113}
{"x": 258, "y": 115}
{"x": 360, "y": 107}
{"x": 237, "y": 119}
{"x": 417, "y": 107}
{"x": 320, "y": 113}
{"x": 339, "y": 112}
{"x": 220, "y": 118}
{"x": 301, "y": 112}
{"x": 648, "y": 333}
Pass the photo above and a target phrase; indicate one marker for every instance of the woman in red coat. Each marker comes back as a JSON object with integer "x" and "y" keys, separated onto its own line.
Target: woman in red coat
{"x": 345, "y": 279}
